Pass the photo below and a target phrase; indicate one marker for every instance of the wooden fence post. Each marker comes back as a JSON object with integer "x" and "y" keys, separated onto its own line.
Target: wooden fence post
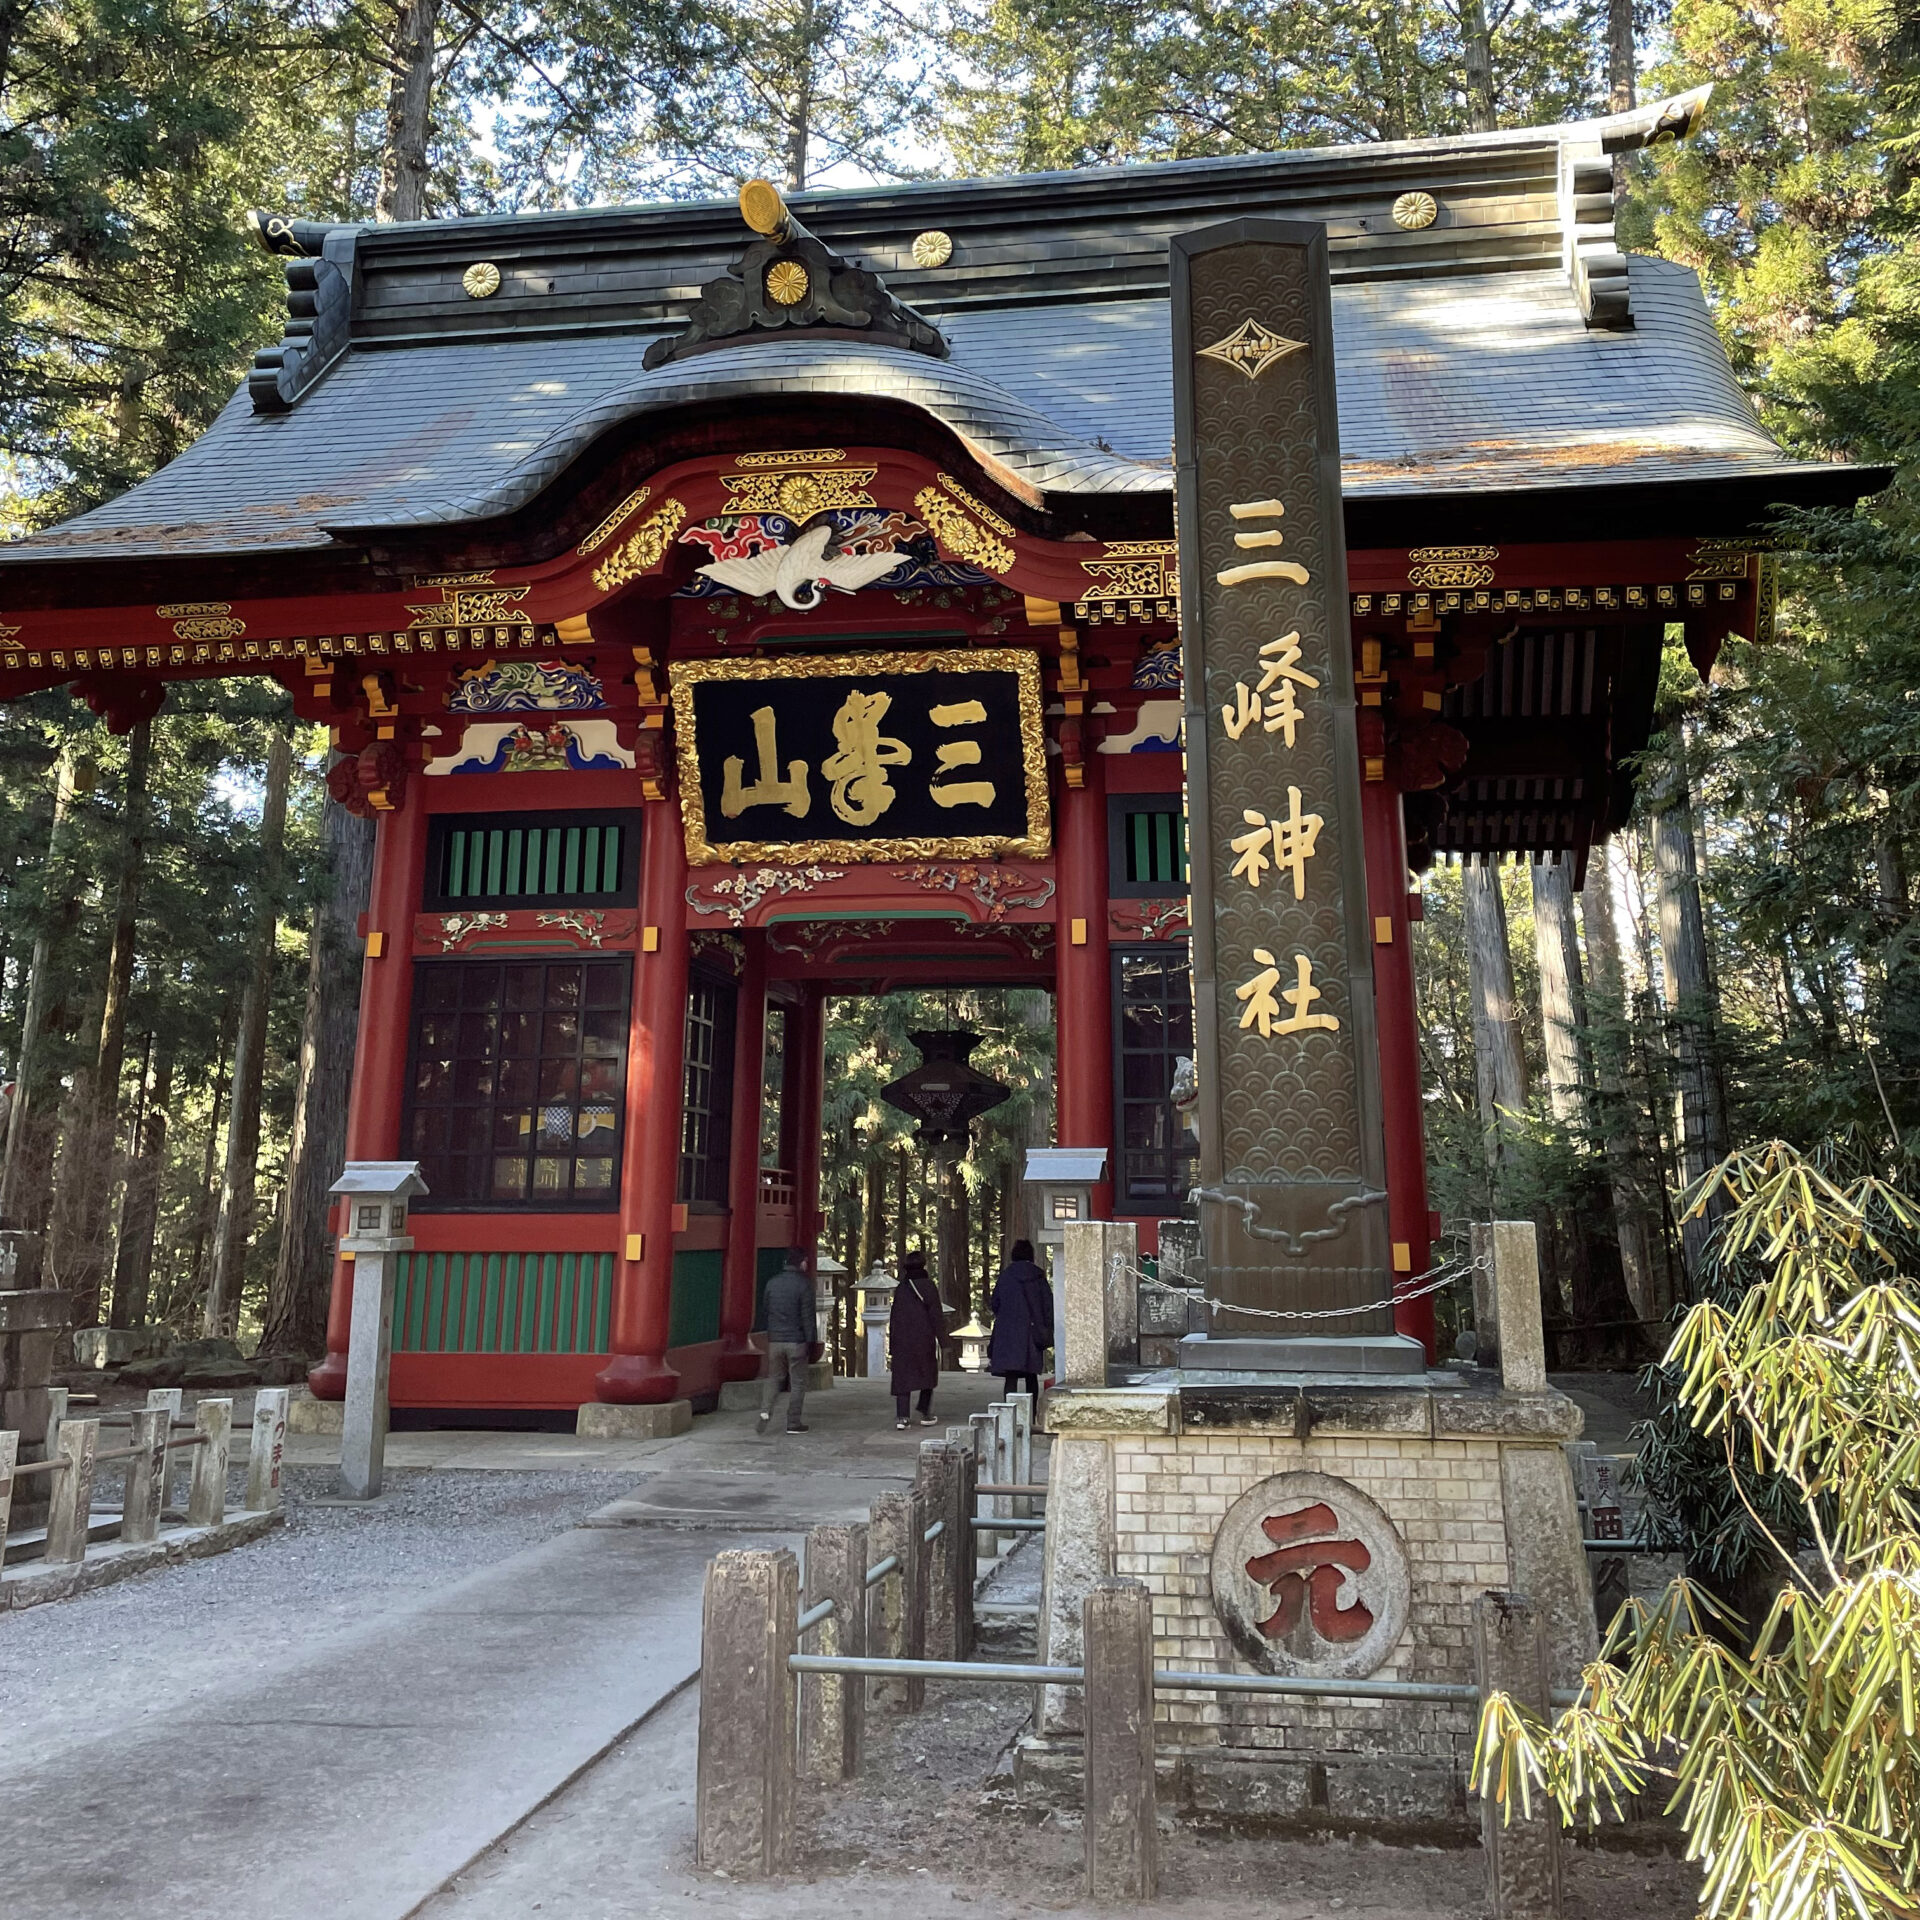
{"x": 169, "y": 1400}
{"x": 207, "y": 1490}
{"x": 269, "y": 1447}
{"x": 1119, "y": 1834}
{"x": 149, "y": 1429}
{"x": 939, "y": 1483}
{"x": 833, "y": 1705}
{"x": 745, "y": 1784}
{"x": 1523, "y": 1855}
{"x": 71, "y": 1507}
{"x": 895, "y": 1623}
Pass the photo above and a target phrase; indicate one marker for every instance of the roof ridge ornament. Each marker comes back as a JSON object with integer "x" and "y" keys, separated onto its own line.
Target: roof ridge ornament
{"x": 789, "y": 279}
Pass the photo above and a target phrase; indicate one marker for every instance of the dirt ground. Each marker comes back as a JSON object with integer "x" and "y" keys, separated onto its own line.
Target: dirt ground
{"x": 936, "y": 1797}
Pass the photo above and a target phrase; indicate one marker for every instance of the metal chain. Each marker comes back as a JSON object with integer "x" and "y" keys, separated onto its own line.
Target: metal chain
{"x": 1434, "y": 1280}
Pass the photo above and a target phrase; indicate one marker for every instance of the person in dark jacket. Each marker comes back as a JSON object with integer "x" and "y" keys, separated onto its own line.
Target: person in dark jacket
{"x": 1022, "y": 1323}
{"x": 791, "y": 1333}
{"x": 915, "y": 1329}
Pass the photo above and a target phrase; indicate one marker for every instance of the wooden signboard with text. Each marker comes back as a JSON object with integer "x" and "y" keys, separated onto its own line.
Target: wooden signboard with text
{"x": 1292, "y": 1153}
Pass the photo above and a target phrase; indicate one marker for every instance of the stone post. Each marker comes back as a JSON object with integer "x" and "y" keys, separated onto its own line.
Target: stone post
{"x": 1523, "y": 1855}
{"x": 1520, "y": 1345}
{"x": 1079, "y": 1554}
{"x": 833, "y": 1705}
{"x": 986, "y": 1543}
{"x": 207, "y": 1490}
{"x": 895, "y": 1621}
{"x": 1003, "y": 1453}
{"x": 1118, "y": 1827}
{"x": 269, "y": 1448}
{"x": 965, "y": 1568}
{"x": 71, "y": 1506}
{"x": 168, "y": 1400}
{"x": 149, "y": 1429}
{"x": 363, "y": 1433}
{"x": 9, "y": 1458}
{"x": 1022, "y": 1405}
{"x": 744, "y": 1790}
{"x": 938, "y": 1483}
{"x": 1099, "y": 1302}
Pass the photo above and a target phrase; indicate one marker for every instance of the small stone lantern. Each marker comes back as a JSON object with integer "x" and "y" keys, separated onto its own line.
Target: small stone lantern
{"x": 827, "y": 1275}
{"x": 1063, "y": 1179}
{"x": 876, "y": 1309}
{"x": 374, "y": 1196}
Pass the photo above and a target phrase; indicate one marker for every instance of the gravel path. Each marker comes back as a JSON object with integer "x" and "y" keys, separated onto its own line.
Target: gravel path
{"x": 135, "y": 1652}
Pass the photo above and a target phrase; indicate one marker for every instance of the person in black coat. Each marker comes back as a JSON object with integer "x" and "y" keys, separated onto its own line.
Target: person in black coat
{"x": 1022, "y": 1323}
{"x": 915, "y": 1329}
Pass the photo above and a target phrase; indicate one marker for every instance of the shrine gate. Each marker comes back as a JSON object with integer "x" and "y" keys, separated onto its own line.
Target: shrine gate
{"x": 719, "y": 617}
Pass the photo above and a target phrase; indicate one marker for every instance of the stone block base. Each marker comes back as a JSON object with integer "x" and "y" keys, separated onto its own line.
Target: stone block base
{"x": 601, "y": 1420}
{"x": 305, "y": 1414}
{"x": 1390, "y": 1797}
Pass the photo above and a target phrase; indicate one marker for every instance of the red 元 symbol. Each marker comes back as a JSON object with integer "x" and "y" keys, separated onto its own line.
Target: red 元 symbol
{"x": 1304, "y": 1569}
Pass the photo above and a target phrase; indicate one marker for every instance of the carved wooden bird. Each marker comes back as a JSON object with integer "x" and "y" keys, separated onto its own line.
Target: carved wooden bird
{"x": 800, "y": 571}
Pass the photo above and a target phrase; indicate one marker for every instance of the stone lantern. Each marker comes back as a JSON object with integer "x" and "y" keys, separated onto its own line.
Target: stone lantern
{"x": 876, "y": 1309}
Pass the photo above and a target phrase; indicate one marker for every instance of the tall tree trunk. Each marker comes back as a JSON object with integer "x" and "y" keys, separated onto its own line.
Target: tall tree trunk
{"x": 1621, "y": 78}
{"x": 1563, "y": 1015}
{"x": 1500, "y": 1062}
{"x": 31, "y": 1121}
{"x": 296, "y": 1313}
{"x": 403, "y": 167}
{"x": 800, "y": 107}
{"x": 873, "y": 1217}
{"x": 950, "y": 1229}
{"x": 1610, "y": 1040}
{"x": 900, "y": 1213}
{"x": 140, "y": 1203}
{"x": 1701, "y": 1112}
{"x": 1477, "y": 43}
{"x": 87, "y": 1169}
{"x": 234, "y": 1223}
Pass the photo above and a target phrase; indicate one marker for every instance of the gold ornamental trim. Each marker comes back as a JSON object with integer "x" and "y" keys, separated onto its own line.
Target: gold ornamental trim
{"x": 962, "y": 537}
{"x": 932, "y": 248}
{"x": 191, "y": 609}
{"x": 978, "y": 508}
{"x": 787, "y": 283}
{"x": 684, "y": 675}
{"x": 1450, "y": 573}
{"x": 471, "y": 606}
{"x": 643, "y": 551}
{"x": 805, "y": 457}
{"x": 1415, "y": 210}
{"x": 605, "y": 530}
{"x": 1420, "y": 556}
{"x": 1251, "y": 348}
{"x": 798, "y": 494}
{"x": 481, "y": 280}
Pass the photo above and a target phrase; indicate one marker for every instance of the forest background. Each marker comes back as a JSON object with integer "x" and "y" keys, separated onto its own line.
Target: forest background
{"x": 179, "y": 963}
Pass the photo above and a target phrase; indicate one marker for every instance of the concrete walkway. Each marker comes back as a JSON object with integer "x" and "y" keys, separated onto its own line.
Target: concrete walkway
{"x": 349, "y": 1774}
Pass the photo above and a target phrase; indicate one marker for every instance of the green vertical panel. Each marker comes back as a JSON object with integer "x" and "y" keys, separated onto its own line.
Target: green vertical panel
{"x": 476, "y": 863}
{"x": 564, "y": 1267}
{"x": 403, "y": 1275}
{"x": 610, "y": 860}
{"x": 538, "y": 1284}
{"x": 1137, "y": 854}
{"x": 579, "y": 1300}
{"x": 694, "y": 1310}
{"x": 516, "y": 857}
{"x": 529, "y": 1301}
{"x": 603, "y": 1305}
{"x": 472, "y": 1300}
{"x": 590, "y": 861}
{"x": 455, "y": 852}
{"x": 509, "y": 1304}
{"x": 496, "y": 846}
{"x": 416, "y": 1303}
{"x": 571, "y": 884}
{"x": 550, "y": 882}
{"x": 1180, "y": 847}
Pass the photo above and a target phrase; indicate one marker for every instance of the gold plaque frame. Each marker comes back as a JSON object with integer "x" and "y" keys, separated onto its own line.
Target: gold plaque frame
{"x": 684, "y": 675}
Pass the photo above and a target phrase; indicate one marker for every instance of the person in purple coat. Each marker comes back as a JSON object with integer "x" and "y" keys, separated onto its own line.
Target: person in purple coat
{"x": 1022, "y": 1323}
{"x": 916, "y": 1327}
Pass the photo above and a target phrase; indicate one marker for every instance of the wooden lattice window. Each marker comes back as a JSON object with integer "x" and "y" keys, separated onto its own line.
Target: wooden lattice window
{"x": 533, "y": 859}
{"x": 1146, "y": 846}
{"x": 517, "y": 1083}
{"x": 1153, "y": 1029}
{"x": 706, "y": 1110}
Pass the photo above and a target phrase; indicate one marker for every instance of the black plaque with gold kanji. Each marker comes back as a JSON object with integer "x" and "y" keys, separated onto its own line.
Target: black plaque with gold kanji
{"x": 1292, "y": 1151}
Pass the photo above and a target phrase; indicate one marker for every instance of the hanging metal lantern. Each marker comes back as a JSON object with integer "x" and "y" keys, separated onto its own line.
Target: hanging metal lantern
{"x": 943, "y": 1093}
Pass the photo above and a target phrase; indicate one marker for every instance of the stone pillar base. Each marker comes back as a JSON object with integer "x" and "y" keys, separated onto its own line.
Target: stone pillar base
{"x": 604, "y": 1420}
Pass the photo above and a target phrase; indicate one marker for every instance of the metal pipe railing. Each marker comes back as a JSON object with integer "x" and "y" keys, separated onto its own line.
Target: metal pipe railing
{"x": 881, "y": 1568}
{"x": 1008, "y": 1525}
{"x": 820, "y": 1610}
{"x": 1032, "y": 1489}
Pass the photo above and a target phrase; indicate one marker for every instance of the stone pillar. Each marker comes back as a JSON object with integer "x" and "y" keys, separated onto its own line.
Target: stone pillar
{"x": 986, "y": 1543}
{"x": 1402, "y": 1097}
{"x": 380, "y": 1044}
{"x": 895, "y": 1620}
{"x": 363, "y": 1433}
{"x": 1022, "y": 1405}
{"x": 965, "y": 1565}
{"x": 637, "y": 1372}
{"x": 833, "y": 1705}
{"x": 874, "y": 1316}
{"x": 1119, "y": 1830}
{"x": 1083, "y": 1000}
{"x": 1079, "y": 1554}
{"x": 71, "y": 1506}
{"x": 806, "y": 1041}
{"x": 745, "y": 1787}
{"x": 1523, "y": 1855}
{"x": 9, "y": 1459}
{"x": 1506, "y": 1283}
{"x": 739, "y": 1357}
{"x": 150, "y": 1428}
{"x": 269, "y": 1448}
{"x": 32, "y": 1321}
{"x": 1546, "y": 1558}
{"x": 1099, "y": 1302}
{"x": 940, "y": 1487}
{"x": 207, "y": 1490}
{"x": 1003, "y": 1455}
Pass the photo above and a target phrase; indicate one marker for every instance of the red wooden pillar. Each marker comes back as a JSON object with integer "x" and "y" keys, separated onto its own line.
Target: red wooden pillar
{"x": 638, "y": 1372}
{"x": 805, "y": 1090}
{"x": 1400, "y": 1090}
{"x": 380, "y": 1045}
{"x": 1083, "y": 986}
{"x": 739, "y": 1358}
